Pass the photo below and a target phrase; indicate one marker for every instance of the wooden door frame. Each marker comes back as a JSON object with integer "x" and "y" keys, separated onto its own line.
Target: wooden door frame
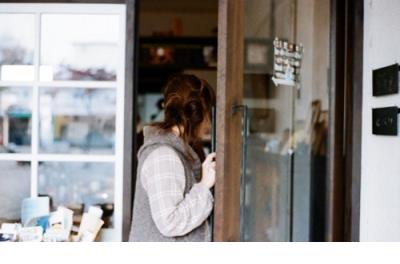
{"x": 229, "y": 93}
{"x": 344, "y": 160}
{"x": 345, "y": 105}
{"x": 354, "y": 110}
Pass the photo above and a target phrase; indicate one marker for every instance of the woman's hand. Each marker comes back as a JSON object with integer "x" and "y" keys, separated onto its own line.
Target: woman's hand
{"x": 208, "y": 171}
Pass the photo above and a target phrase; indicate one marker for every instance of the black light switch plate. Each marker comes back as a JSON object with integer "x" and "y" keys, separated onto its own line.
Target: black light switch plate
{"x": 386, "y": 80}
{"x": 384, "y": 121}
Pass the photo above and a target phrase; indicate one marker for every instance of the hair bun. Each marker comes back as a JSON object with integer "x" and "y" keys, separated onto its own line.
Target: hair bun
{"x": 188, "y": 100}
{"x": 193, "y": 110}
{"x": 174, "y": 105}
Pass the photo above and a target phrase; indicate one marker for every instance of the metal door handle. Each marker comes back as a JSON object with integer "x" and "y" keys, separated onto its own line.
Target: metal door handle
{"x": 213, "y": 149}
{"x": 245, "y": 128}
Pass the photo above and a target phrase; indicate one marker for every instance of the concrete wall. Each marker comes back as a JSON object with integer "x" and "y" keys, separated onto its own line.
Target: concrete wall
{"x": 380, "y": 178}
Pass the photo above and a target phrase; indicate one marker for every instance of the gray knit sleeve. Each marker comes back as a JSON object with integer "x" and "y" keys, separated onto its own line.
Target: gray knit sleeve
{"x": 163, "y": 178}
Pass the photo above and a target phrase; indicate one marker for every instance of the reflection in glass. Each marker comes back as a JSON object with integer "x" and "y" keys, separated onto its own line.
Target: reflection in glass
{"x": 78, "y": 185}
{"x": 266, "y": 202}
{"x": 16, "y": 47}
{"x": 77, "y": 120}
{"x": 79, "y": 47}
{"x": 15, "y": 119}
{"x": 266, "y": 215}
{"x": 14, "y": 187}
{"x": 284, "y": 184}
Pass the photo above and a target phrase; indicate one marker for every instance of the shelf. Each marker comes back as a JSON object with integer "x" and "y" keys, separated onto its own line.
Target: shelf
{"x": 179, "y": 54}
{"x": 173, "y": 53}
{"x": 168, "y": 68}
{"x": 190, "y": 41}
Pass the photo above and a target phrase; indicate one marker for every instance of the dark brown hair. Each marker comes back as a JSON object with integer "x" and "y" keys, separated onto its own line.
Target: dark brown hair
{"x": 188, "y": 101}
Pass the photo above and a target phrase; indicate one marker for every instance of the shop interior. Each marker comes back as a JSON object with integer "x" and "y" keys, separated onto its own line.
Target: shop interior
{"x": 174, "y": 37}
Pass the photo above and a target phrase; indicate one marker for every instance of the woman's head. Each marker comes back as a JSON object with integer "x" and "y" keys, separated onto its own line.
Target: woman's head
{"x": 188, "y": 101}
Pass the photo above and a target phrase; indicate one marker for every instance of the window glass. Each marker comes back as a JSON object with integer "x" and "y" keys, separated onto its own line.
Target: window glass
{"x": 77, "y": 120}
{"x": 79, "y": 47}
{"x": 17, "y": 37}
{"x": 78, "y": 185}
{"x": 15, "y": 119}
{"x": 15, "y": 186}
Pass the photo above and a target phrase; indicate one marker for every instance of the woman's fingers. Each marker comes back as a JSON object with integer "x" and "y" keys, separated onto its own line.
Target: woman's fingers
{"x": 210, "y": 157}
{"x": 208, "y": 173}
{"x": 213, "y": 164}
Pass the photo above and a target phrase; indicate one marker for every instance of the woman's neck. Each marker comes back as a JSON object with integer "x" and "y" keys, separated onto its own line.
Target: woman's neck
{"x": 176, "y": 130}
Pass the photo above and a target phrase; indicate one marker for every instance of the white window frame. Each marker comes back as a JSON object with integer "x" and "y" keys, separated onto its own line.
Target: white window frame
{"x": 114, "y": 234}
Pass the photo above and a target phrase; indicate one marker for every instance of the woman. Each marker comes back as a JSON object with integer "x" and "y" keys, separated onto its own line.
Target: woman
{"x": 172, "y": 195}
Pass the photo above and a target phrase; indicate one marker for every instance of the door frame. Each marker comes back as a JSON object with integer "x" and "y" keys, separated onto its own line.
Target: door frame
{"x": 229, "y": 94}
{"x": 344, "y": 163}
{"x": 344, "y": 134}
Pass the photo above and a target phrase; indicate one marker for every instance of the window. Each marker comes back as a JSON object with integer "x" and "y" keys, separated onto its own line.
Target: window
{"x": 61, "y": 108}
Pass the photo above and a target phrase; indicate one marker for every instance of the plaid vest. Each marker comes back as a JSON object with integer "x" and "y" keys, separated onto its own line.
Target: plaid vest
{"x": 143, "y": 227}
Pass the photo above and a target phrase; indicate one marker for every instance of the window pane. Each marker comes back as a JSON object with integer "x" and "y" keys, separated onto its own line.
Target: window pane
{"x": 15, "y": 185}
{"x": 77, "y": 120}
{"x": 78, "y": 185}
{"x": 79, "y": 47}
{"x": 17, "y": 37}
{"x": 15, "y": 119}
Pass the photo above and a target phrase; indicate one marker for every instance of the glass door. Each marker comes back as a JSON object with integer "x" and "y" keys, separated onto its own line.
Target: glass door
{"x": 284, "y": 164}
